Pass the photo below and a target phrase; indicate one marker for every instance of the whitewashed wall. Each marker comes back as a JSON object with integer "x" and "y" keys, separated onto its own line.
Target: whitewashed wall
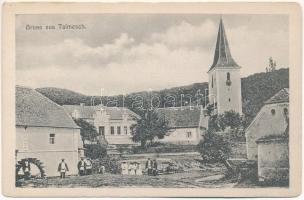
{"x": 264, "y": 124}
{"x": 34, "y": 142}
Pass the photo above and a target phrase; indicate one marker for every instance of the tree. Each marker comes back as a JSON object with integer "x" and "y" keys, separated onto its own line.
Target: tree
{"x": 230, "y": 119}
{"x": 214, "y": 148}
{"x": 87, "y": 130}
{"x": 95, "y": 151}
{"x": 149, "y": 127}
{"x": 272, "y": 65}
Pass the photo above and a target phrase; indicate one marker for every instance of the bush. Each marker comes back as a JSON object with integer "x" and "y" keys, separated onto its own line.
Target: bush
{"x": 95, "y": 151}
{"x": 112, "y": 165}
{"x": 214, "y": 148}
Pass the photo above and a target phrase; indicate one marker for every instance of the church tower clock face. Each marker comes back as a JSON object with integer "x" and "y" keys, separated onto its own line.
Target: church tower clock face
{"x": 224, "y": 77}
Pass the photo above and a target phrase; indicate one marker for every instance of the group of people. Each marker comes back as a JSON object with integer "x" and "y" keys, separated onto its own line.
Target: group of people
{"x": 84, "y": 167}
{"x": 151, "y": 166}
{"x": 134, "y": 168}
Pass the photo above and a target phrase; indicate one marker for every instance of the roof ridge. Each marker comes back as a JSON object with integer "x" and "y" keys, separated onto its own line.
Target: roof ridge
{"x": 177, "y": 107}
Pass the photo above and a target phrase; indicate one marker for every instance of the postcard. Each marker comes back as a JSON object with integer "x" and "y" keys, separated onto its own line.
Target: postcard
{"x": 151, "y": 99}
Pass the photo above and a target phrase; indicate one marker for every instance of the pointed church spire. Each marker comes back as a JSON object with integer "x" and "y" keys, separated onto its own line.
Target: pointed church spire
{"x": 222, "y": 55}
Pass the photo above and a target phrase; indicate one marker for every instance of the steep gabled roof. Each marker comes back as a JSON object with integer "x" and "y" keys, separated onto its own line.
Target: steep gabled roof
{"x": 222, "y": 55}
{"x": 34, "y": 109}
{"x": 181, "y": 116}
{"x": 280, "y": 97}
{"x": 115, "y": 113}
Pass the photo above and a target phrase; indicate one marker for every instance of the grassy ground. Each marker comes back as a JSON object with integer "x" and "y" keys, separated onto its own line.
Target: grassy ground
{"x": 178, "y": 180}
{"x": 208, "y": 176}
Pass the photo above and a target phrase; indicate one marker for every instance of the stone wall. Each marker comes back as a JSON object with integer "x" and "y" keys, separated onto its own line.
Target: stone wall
{"x": 273, "y": 160}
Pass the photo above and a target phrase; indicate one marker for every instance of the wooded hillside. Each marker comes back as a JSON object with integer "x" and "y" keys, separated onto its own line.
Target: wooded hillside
{"x": 256, "y": 89}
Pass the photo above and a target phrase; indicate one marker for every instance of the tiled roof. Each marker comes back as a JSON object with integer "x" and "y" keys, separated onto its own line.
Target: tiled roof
{"x": 34, "y": 109}
{"x": 83, "y": 111}
{"x": 116, "y": 113}
{"x": 280, "y": 97}
{"x": 181, "y": 116}
{"x": 222, "y": 54}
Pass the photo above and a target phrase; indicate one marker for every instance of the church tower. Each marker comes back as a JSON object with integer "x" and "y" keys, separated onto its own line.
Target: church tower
{"x": 224, "y": 77}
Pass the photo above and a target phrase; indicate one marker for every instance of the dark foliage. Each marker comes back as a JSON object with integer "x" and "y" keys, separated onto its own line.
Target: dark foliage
{"x": 230, "y": 119}
{"x": 63, "y": 96}
{"x": 214, "y": 148}
{"x": 112, "y": 165}
{"x": 87, "y": 130}
{"x": 258, "y": 88}
{"x": 149, "y": 127}
{"x": 95, "y": 151}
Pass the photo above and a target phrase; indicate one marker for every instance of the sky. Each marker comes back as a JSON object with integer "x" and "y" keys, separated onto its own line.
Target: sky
{"x": 124, "y": 53}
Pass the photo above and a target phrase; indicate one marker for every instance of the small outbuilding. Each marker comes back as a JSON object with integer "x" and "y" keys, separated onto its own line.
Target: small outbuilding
{"x": 271, "y": 120}
{"x": 187, "y": 124}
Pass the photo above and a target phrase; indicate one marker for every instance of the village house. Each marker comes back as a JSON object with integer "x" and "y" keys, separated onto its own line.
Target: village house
{"x": 187, "y": 124}
{"x": 267, "y": 139}
{"x": 270, "y": 121}
{"x": 46, "y": 132}
{"x": 112, "y": 123}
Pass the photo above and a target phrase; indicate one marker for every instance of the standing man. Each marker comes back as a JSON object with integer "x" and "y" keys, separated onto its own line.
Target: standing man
{"x": 62, "y": 168}
{"x": 26, "y": 169}
{"x": 154, "y": 167}
{"x": 81, "y": 167}
{"x": 88, "y": 164}
{"x": 149, "y": 166}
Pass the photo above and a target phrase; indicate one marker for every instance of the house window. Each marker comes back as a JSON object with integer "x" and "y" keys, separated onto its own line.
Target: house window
{"x": 112, "y": 130}
{"x": 228, "y": 81}
{"x": 228, "y": 76}
{"x": 118, "y": 130}
{"x": 52, "y": 138}
{"x": 229, "y": 99}
{"x": 212, "y": 81}
{"x": 126, "y": 130}
{"x": 101, "y": 130}
{"x": 189, "y": 134}
{"x": 273, "y": 111}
